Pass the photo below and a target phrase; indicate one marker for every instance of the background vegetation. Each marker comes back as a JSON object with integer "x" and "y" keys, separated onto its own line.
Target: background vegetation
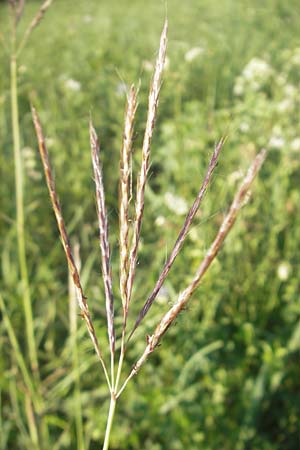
{"x": 227, "y": 375}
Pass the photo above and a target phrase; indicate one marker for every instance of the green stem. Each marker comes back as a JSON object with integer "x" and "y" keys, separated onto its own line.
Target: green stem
{"x": 112, "y": 370}
{"x": 121, "y": 358}
{"x": 114, "y": 397}
{"x": 20, "y": 217}
{"x": 110, "y": 419}
{"x": 26, "y": 297}
{"x": 18, "y": 354}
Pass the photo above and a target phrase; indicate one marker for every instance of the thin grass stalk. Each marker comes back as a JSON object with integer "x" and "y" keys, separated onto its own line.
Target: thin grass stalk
{"x": 29, "y": 383}
{"x": 111, "y": 413}
{"x": 19, "y": 10}
{"x": 31, "y": 421}
{"x": 140, "y": 196}
{"x": 33, "y": 24}
{"x": 16, "y": 11}
{"x": 19, "y": 189}
{"x": 104, "y": 243}
{"x": 183, "y": 298}
{"x": 30, "y": 395}
{"x": 14, "y": 395}
{"x": 182, "y": 235}
{"x": 82, "y": 300}
{"x": 74, "y": 346}
{"x": 3, "y": 435}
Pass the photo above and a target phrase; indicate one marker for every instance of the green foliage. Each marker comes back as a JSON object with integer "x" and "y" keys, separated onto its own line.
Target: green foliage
{"x": 227, "y": 374}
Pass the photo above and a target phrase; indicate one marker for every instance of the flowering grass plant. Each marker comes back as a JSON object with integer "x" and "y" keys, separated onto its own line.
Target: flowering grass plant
{"x": 130, "y": 234}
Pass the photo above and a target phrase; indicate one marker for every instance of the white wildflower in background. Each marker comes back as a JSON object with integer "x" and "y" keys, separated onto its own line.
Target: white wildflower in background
{"x": 167, "y": 63}
{"x": 285, "y": 105}
{"x": 193, "y": 53}
{"x": 28, "y": 154}
{"x": 276, "y": 142}
{"x": 22, "y": 69}
{"x": 281, "y": 79}
{"x": 50, "y": 142}
{"x": 244, "y": 127}
{"x": 160, "y": 221}
{"x": 147, "y": 66}
{"x": 121, "y": 89}
{"x": 295, "y": 144}
{"x": 163, "y": 295}
{"x": 239, "y": 87}
{"x": 194, "y": 235}
{"x": 283, "y": 271}
{"x": 277, "y": 130}
{"x": 87, "y": 18}
{"x": 295, "y": 59}
{"x": 290, "y": 91}
{"x": 290, "y": 96}
{"x": 73, "y": 85}
{"x": 29, "y": 158}
{"x": 254, "y": 76}
{"x": 176, "y": 204}
{"x": 235, "y": 176}
{"x": 257, "y": 69}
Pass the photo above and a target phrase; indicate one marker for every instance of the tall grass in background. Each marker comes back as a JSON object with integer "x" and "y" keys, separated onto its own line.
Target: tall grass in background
{"x": 13, "y": 47}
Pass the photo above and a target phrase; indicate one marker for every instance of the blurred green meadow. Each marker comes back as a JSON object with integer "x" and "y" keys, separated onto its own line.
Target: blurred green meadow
{"x": 227, "y": 375}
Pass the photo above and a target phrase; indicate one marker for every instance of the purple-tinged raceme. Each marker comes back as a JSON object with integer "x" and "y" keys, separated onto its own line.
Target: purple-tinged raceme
{"x": 124, "y": 188}
{"x": 103, "y": 236}
{"x": 151, "y": 116}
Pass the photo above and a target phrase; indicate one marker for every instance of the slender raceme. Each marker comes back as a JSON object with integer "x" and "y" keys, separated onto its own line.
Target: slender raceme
{"x": 103, "y": 236}
{"x": 151, "y": 116}
{"x": 125, "y": 174}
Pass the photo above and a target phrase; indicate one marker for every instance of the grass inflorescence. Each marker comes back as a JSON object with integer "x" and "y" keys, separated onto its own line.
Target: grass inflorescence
{"x": 130, "y": 234}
